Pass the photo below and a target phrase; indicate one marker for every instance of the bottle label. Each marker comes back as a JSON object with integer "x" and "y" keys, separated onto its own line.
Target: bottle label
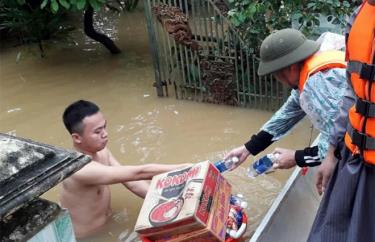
{"x": 220, "y": 165}
{"x": 224, "y": 165}
{"x": 261, "y": 166}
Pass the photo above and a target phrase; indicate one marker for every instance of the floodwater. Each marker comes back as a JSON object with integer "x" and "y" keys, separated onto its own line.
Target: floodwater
{"x": 142, "y": 127}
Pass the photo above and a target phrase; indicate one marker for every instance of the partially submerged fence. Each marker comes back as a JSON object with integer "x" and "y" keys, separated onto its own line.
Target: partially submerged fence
{"x": 198, "y": 55}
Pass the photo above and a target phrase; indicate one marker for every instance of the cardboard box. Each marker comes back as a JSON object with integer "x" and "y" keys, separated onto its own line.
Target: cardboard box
{"x": 178, "y": 202}
{"x": 215, "y": 229}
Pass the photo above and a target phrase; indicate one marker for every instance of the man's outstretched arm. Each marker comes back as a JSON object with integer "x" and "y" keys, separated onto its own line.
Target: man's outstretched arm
{"x": 96, "y": 173}
{"x": 139, "y": 188}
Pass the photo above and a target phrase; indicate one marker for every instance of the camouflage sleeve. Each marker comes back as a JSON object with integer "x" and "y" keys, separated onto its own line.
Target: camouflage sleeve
{"x": 285, "y": 118}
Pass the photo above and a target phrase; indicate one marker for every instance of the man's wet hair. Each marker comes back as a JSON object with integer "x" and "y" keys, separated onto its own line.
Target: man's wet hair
{"x": 76, "y": 112}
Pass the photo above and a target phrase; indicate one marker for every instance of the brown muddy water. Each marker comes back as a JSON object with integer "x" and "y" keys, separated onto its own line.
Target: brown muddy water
{"x": 142, "y": 127}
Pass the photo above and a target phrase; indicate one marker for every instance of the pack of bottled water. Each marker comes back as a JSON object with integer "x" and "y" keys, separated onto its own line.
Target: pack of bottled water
{"x": 262, "y": 165}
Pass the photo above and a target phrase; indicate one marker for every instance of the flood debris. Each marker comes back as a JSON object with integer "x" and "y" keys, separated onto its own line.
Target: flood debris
{"x": 218, "y": 77}
{"x": 176, "y": 23}
{"x": 223, "y": 7}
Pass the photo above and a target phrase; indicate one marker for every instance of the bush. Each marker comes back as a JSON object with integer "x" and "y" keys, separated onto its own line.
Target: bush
{"x": 29, "y": 23}
{"x": 257, "y": 19}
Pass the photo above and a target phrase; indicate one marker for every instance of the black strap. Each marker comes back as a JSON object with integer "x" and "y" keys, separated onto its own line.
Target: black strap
{"x": 365, "y": 108}
{"x": 363, "y": 141}
{"x": 364, "y": 70}
{"x": 307, "y": 157}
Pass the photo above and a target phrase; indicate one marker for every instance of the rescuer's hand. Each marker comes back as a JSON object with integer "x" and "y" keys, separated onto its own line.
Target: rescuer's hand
{"x": 285, "y": 159}
{"x": 241, "y": 153}
{"x": 325, "y": 170}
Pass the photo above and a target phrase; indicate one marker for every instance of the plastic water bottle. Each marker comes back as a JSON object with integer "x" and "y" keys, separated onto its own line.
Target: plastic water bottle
{"x": 238, "y": 200}
{"x": 263, "y": 165}
{"x": 224, "y": 165}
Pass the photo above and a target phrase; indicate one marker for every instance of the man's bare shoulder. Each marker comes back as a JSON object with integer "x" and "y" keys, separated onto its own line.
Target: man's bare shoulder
{"x": 102, "y": 157}
{"x": 89, "y": 166}
{"x": 88, "y": 173}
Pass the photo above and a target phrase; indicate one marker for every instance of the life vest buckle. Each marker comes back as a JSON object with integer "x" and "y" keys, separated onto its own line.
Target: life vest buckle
{"x": 364, "y": 70}
{"x": 358, "y": 139}
{"x": 361, "y": 140}
{"x": 365, "y": 108}
{"x": 367, "y": 72}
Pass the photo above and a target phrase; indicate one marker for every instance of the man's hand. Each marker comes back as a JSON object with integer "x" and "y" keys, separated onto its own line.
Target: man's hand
{"x": 241, "y": 153}
{"x": 325, "y": 170}
{"x": 285, "y": 160}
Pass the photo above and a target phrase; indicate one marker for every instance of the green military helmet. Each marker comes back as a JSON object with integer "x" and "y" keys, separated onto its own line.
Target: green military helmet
{"x": 284, "y": 48}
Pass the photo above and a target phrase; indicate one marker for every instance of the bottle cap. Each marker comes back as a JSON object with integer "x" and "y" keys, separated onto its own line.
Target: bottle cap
{"x": 243, "y": 204}
{"x": 235, "y": 159}
{"x": 276, "y": 155}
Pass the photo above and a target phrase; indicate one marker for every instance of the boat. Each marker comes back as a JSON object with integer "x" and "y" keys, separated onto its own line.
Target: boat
{"x": 292, "y": 213}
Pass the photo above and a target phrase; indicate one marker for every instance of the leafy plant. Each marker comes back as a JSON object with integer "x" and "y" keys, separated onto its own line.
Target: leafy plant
{"x": 89, "y": 7}
{"x": 55, "y": 5}
{"x": 37, "y": 20}
{"x": 258, "y": 18}
{"x": 29, "y": 23}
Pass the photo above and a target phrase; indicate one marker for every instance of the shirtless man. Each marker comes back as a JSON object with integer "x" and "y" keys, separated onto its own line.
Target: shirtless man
{"x": 86, "y": 193}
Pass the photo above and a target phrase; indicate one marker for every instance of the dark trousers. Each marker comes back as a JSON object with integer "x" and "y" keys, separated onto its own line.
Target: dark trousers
{"x": 347, "y": 210}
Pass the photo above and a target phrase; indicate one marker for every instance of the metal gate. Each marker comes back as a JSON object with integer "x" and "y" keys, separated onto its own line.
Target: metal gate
{"x": 198, "y": 55}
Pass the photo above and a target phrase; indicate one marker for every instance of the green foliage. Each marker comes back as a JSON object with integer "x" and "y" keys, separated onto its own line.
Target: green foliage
{"x": 55, "y": 5}
{"x": 258, "y": 18}
{"x": 39, "y": 20}
{"x": 28, "y": 22}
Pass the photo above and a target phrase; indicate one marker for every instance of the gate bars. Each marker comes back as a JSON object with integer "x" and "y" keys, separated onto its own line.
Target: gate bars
{"x": 197, "y": 51}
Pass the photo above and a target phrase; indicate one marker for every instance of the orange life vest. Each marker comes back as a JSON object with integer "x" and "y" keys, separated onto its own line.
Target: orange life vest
{"x": 360, "y": 137}
{"x": 319, "y": 62}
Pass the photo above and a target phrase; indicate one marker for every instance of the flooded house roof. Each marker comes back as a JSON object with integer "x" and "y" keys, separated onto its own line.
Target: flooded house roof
{"x": 29, "y": 168}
